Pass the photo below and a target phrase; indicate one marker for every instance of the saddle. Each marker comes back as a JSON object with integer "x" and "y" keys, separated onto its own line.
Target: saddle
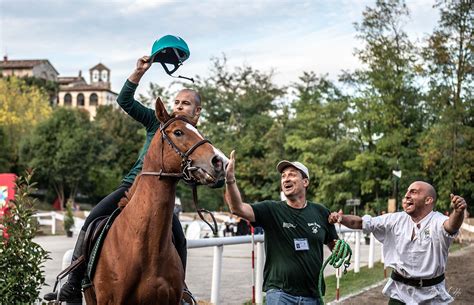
{"x": 93, "y": 239}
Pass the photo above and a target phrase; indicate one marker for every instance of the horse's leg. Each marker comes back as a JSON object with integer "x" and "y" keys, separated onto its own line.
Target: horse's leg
{"x": 89, "y": 295}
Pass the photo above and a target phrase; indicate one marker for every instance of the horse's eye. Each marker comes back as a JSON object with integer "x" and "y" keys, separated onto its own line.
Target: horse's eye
{"x": 178, "y": 133}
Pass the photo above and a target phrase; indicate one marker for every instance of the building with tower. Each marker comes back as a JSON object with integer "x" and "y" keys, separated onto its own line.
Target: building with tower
{"x": 74, "y": 91}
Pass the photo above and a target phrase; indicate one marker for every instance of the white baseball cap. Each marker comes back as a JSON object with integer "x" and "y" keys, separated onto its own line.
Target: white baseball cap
{"x": 298, "y": 165}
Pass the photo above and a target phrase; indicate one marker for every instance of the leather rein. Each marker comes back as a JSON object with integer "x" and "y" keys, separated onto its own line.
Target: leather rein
{"x": 186, "y": 168}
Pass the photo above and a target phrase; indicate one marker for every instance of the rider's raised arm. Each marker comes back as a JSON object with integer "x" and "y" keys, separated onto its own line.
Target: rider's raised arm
{"x": 232, "y": 193}
{"x": 127, "y": 102}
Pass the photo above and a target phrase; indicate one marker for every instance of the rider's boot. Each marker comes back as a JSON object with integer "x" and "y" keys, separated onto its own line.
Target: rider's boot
{"x": 71, "y": 290}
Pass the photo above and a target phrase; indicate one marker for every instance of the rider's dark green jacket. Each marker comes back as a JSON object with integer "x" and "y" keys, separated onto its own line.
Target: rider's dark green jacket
{"x": 142, "y": 114}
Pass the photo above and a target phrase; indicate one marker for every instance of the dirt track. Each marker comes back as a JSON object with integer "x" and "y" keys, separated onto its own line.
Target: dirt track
{"x": 459, "y": 281}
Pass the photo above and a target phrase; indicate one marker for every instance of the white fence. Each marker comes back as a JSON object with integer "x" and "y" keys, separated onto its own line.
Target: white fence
{"x": 49, "y": 219}
{"x": 219, "y": 243}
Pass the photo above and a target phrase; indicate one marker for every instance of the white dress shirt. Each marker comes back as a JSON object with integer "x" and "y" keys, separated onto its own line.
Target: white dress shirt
{"x": 424, "y": 256}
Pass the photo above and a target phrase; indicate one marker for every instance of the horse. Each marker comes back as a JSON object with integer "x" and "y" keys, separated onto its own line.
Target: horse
{"x": 138, "y": 263}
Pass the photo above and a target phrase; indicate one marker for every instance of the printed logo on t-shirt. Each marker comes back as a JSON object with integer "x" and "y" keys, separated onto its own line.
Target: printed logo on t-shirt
{"x": 314, "y": 227}
{"x": 288, "y": 225}
{"x": 427, "y": 233}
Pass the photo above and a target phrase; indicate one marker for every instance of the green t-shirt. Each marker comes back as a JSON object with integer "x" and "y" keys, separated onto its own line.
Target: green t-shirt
{"x": 142, "y": 114}
{"x": 294, "y": 271}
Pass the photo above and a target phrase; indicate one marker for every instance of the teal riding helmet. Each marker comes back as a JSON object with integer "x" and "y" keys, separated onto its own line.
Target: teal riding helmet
{"x": 171, "y": 50}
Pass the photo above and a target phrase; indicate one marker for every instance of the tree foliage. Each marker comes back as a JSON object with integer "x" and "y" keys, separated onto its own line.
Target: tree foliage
{"x": 63, "y": 149}
{"x": 22, "y": 107}
{"x": 447, "y": 143}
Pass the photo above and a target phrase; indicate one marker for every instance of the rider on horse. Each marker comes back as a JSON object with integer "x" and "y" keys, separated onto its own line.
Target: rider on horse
{"x": 187, "y": 103}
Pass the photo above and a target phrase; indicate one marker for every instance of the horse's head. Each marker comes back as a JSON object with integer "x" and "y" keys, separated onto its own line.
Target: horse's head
{"x": 184, "y": 152}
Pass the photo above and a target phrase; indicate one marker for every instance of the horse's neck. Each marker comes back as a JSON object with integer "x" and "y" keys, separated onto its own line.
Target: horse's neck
{"x": 152, "y": 206}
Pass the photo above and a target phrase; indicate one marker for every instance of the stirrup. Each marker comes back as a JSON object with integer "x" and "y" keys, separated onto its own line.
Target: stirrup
{"x": 188, "y": 298}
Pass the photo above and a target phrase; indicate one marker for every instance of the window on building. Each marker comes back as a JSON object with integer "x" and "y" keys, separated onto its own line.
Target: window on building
{"x": 93, "y": 100}
{"x": 95, "y": 75}
{"x": 67, "y": 99}
{"x": 103, "y": 76}
{"x": 80, "y": 99}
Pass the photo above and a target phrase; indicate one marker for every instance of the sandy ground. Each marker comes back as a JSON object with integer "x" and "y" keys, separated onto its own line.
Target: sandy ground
{"x": 459, "y": 281}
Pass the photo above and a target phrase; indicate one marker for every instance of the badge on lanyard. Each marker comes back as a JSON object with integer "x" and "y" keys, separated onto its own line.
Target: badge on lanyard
{"x": 301, "y": 244}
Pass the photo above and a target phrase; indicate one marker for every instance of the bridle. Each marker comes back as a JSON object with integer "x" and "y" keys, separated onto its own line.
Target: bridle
{"x": 186, "y": 161}
{"x": 186, "y": 168}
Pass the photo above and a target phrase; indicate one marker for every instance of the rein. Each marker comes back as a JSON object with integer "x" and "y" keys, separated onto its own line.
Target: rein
{"x": 186, "y": 169}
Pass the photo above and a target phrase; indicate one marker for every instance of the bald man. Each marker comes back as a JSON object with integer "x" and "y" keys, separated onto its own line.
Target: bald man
{"x": 415, "y": 243}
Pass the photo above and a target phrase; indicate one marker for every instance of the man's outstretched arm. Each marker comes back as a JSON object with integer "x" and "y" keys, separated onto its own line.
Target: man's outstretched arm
{"x": 232, "y": 193}
{"x": 350, "y": 221}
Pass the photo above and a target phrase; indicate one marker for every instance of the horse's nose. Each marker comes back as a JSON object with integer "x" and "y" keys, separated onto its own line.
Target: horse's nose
{"x": 218, "y": 163}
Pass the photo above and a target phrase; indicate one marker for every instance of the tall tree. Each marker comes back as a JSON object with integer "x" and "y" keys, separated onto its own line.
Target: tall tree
{"x": 317, "y": 135}
{"x": 22, "y": 107}
{"x": 386, "y": 103}
{"x": 120, "y": 139}
{"x": 448, "y": 144}
{"x": 63, "y": 150}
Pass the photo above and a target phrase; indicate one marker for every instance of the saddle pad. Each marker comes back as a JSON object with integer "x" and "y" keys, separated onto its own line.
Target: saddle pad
{"x": 95, "y": 253}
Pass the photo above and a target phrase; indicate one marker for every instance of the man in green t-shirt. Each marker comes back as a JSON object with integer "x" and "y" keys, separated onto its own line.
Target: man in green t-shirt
{"x": 295, "y": 231}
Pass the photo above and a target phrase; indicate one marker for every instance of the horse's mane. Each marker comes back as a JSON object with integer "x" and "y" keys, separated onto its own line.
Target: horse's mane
{"x": 128, "y": 194}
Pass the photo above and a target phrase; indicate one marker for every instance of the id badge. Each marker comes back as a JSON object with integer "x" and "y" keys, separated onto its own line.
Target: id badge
{"x": 301, "y": 244}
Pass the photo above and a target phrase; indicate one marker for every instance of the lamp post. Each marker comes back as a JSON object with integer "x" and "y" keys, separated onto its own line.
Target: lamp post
{"x": 398, "y": 175}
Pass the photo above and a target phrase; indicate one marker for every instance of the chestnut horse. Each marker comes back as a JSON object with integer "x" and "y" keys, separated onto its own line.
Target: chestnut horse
{"x": 138, "y": 263}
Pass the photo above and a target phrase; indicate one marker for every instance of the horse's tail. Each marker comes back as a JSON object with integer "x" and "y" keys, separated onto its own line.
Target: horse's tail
{"x": 89, "y": 294}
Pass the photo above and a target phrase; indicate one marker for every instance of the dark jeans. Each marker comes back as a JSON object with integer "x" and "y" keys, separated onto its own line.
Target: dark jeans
{"x": 110, "y": 203}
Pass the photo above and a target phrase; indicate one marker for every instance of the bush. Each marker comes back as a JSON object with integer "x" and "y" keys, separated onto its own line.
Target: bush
{"x": 68, "y": 217}
{"x": 21, "y": 259}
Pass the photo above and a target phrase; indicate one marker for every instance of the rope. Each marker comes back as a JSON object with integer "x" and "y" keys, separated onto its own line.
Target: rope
{"x": 341, "y": 254}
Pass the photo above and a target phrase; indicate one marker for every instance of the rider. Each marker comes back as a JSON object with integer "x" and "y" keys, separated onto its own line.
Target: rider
{"x": 188, "y": 104}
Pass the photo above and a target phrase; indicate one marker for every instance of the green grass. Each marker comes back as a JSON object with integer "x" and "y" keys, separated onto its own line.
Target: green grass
{"x": 352, "y": 282}
{"x": 457, "y": 246}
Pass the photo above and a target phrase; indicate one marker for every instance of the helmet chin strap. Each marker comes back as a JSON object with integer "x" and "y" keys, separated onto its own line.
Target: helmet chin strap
{"x": 179, "y": 76}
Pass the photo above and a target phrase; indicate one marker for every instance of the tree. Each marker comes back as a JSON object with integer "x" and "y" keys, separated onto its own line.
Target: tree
{"x": 153, "y": 92}
{"x": 63, "y": 150}
{"x": 386, "y": 103}
{"x": 120, "y": 139}
{"x": 22, "y": 107}
{"x": 448, "y": 144}
{"x": 317, "y": 135}
{"x": 21, "y": 259}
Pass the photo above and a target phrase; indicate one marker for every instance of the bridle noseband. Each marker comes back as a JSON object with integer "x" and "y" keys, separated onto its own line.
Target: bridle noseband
{"x": 186, "y": 161}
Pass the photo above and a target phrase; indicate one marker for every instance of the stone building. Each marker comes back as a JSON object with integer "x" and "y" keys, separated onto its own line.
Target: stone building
{"x": 39, "y": 68}
{"x": 74, "y": 91}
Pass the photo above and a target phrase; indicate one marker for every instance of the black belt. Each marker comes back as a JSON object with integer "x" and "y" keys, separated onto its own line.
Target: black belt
{"x": 417, "y": 282}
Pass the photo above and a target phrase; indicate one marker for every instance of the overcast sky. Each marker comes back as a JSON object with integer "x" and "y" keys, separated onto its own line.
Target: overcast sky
{"x": 287, "y": 36}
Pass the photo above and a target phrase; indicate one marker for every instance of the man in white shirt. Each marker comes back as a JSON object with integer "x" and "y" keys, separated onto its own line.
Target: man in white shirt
{"x": 416, "y": 244}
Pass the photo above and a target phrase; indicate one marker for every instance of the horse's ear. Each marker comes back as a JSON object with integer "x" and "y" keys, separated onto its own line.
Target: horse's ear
{"x": 160, "y": 111}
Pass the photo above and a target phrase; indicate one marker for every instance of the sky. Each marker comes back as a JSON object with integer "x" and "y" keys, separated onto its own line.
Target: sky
{"x": 288, "y": 37}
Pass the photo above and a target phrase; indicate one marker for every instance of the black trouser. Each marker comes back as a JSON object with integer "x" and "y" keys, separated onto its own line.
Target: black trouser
{"x": 106, "y": 207}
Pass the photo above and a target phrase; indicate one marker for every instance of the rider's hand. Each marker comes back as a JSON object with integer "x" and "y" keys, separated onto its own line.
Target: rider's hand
{"x": 143, "y": 64}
